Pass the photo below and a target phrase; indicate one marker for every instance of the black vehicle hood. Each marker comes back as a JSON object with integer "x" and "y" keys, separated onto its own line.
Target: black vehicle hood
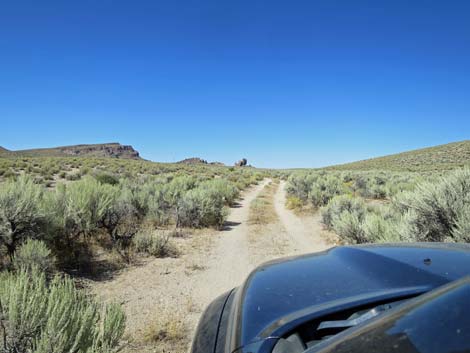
{"x": 436, "y": 322}
{"x": 278, "y": 292}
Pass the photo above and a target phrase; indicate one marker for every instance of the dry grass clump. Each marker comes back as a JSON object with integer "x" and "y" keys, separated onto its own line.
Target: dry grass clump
{"x": 167, "y": 326}
{"x": 262, "y": 207}
{"x": 157, "y": 243}
{"x": 294, "y": 203}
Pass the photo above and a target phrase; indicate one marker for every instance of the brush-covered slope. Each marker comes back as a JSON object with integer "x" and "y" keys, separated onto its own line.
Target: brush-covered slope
{"x": 437, "y": 158}
{"x": 109, "y": 150}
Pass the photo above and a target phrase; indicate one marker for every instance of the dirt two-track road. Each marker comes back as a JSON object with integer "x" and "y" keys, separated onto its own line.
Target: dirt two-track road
{"x": 169, "y": 295}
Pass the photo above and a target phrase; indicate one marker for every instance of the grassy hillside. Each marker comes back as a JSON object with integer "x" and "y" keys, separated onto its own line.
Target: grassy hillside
{"x": 437, "y": 158}
{"x": 114, "y": 150}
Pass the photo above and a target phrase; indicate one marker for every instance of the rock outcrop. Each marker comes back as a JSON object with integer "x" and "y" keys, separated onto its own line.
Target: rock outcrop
{"x": 113, "y": 150}
{"x": 104, "y": 150}
{"x": 193, "y": 160}
{"x": 241, "y": 163}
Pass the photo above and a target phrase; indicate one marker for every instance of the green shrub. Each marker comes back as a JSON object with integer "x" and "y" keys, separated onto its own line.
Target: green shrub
{"x": 378, "y": 229}
{"x": 360, "y": 185}
{"x": 156, "y": 243}
{"x": 325, "y": 189}
{"x": 461, "y": 232}
{"x": 81, "y": 206}
{"x": 223, "y": 188}
{"x": 395, "y": 187}
{"x": 349, "y": 227}
{"x": 8, "y": 174}
{"x": 121, "y": 218}
{"x": 437, "y": 211}
{"x": 340, "y": 204}
{"x": 378, "y": 192}
{"x": 33, "y": 254}
{"x": 85, "y": 171}
{"x": 73, "y": 176}
{"x": 20, "y": 213}
{"x": 41, "y": 318}
{"x": 300, "y": 185}
{"x": 138, "y": 195}
{"x": 202, "y": 207}
{"x": 105, "y": 178}
{"x": 162, "y": 197}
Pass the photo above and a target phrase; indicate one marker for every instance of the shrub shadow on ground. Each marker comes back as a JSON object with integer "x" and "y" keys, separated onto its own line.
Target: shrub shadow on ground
{"x": 228, "y": 226}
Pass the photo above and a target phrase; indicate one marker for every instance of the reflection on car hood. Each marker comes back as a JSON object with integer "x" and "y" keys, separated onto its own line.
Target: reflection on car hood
{"x": 438, "y": 321}
{"x": 276, "y": 291}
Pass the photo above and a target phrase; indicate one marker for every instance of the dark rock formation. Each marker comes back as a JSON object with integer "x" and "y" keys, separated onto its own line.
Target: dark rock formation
{"x": 241, "y": 163}
{"x": 105, "y": 150}
{"x": 193, "y": 160}
{"x": 113, "y": 150}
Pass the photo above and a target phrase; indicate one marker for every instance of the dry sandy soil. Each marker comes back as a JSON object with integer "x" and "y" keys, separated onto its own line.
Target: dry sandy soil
{"x": 164, "y": 298}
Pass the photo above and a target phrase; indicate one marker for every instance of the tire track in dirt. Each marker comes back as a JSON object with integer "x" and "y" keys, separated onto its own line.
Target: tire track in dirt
{"x": 304, "y": 233}
{"x": 213, "y": 262}
{"x": 229, "y": 263}
{"x": 177, "y": 290}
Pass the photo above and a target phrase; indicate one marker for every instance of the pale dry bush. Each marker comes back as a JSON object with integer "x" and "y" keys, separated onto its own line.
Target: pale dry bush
{"x": 34, "y": 254}
{"x": 340, "y": 204}
{"x": 437, "y": 211}
{"x": 21, "y": 216}
{"x": 378, "y": 229}
{"x": 38, "y": 317}
{"x": 155, "y": 242}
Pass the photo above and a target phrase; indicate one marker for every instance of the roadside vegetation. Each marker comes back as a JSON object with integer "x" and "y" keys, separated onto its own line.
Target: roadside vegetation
{"x": 50, "y": 171}
{"x": 60, "y": 217}
{"x": 363, "y": 207}
{"x": 44, "y": 316}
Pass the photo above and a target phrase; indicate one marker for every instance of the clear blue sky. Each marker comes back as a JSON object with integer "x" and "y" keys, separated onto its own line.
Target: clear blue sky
{"x": 282, "y": 83}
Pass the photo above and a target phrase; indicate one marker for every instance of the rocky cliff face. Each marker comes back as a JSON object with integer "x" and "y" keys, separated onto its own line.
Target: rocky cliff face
{"x": 113, "y": 150}
{"x": 105, "y": 150}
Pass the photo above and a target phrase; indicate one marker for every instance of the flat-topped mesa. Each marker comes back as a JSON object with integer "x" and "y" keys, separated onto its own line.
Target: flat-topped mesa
{"x": 102, "y": 150}
{"x": 113, "y": 150}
